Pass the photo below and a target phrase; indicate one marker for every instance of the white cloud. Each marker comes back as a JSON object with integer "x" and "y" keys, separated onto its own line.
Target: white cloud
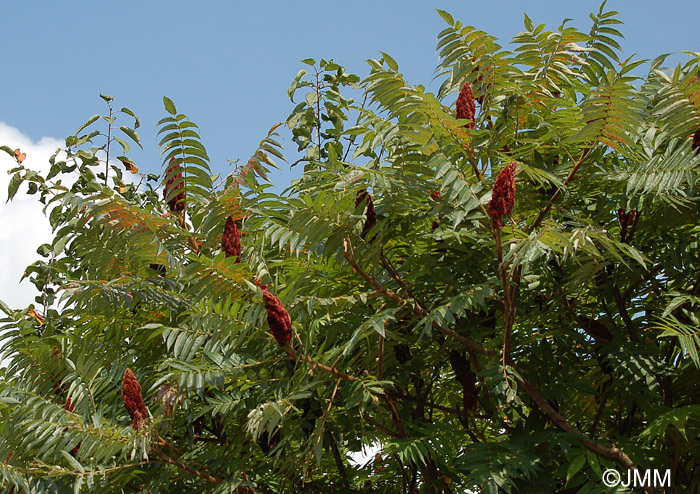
{"x": 23, "y": 226}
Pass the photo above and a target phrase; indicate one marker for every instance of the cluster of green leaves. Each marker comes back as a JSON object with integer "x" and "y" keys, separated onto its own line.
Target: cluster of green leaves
{"x": 578, "y": 319}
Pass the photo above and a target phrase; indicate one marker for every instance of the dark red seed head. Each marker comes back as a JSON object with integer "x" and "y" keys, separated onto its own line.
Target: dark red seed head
{"x": 231, "y": 240}
{"x": 466, "y": 105}
{"x": 277, "y": 318}
{"x": 133, "y": 400}
{"x": 503, "y": 196}
{"x": 370, "y": 213}
{"x": 626, "y": 220}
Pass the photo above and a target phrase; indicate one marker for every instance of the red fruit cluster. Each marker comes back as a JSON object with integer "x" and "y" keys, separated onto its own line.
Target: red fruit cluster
{"x": 277, "y": 318}
{"x": 133, "y": 400}
{"x": 231, "y": 240}
{"x": 626, "y": 220}
{"x": 370, "y": 213}
{"x": 177, "y": 203}
{"x": 466, "y": 105}
{"x": 503, "y": 196}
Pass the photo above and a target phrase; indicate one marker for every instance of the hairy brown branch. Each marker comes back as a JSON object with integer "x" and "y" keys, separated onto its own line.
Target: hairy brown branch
{"x": 610, "y": 451}
{"x": 350, "y": 257}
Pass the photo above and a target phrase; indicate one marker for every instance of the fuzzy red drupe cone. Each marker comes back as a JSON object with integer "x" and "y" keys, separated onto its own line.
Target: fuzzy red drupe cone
{"x": 133, "y": 400}
{"x": 277, "y": 318}
{"x": 177, "y": 203}
{"x": 696, "y": 142}
{"x": 621, "y": 216}
{"x": 231, "y": 240}
{"x": 466, "y": 106}
{"x": 626, "y": 220}
{"x": 370, "y": 214}
{"x": 503, "y": 196}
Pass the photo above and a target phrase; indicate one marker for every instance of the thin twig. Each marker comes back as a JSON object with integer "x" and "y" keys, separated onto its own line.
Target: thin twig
{"x": 468, "y": 343}
{"x": 202, "y": 475}
{"x": 429, "y": 404}
{"x": 350, "y": 257}
{"x": 557, "y": 192}
{"x": 622, "y": 309}
{"x": 338, "y": 458}
{"x": 317, "y": 365}
{"x": 352, "y": 139}
{"x": 380, "y": 361}
{"x": 109, "y": 141}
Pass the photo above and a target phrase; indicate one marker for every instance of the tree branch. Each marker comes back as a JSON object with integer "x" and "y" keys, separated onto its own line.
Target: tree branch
{"x": 350, "y": 257}
{"x": 317, "y": 365}
{"x": 610, "y": 451}
{"x": 557, "y": 193}
{"x": 338, "y": 459}
{"x": 202, "y": 475}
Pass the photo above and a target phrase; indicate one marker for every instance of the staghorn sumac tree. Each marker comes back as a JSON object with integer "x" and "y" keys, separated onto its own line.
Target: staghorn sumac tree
{"x": 500, "y": 299}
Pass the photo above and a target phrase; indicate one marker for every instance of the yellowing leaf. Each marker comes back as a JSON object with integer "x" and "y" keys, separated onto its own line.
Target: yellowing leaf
{"x": 36, "y": 316}
{"x": 19, "y": 156}
{"x": 129, "y": 166}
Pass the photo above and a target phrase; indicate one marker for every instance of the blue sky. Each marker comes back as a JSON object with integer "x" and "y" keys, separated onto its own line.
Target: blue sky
{"x": 227, "y": 65}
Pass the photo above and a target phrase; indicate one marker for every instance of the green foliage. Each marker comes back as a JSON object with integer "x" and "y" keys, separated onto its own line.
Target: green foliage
{"x": 528, "y": 358}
